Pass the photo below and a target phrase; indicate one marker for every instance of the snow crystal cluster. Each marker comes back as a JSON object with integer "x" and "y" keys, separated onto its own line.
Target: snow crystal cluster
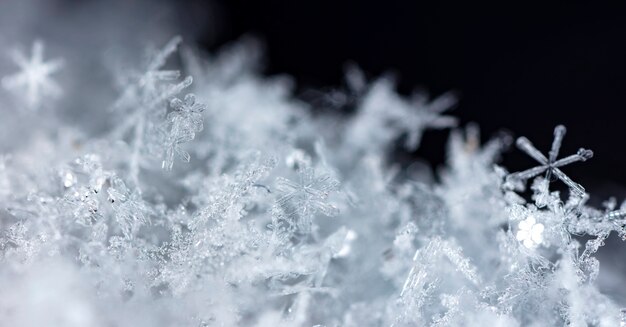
{"x": 216, "y": 198}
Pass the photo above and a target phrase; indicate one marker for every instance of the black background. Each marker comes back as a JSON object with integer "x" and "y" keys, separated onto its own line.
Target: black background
{"x": 521, "y": 67}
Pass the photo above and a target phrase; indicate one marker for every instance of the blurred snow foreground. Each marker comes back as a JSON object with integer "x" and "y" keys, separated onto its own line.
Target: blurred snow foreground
{"x": 224, "y": 201}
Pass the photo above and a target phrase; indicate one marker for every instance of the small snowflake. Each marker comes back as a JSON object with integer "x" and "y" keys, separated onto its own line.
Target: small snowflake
{"x": 307, "y": 196}
{"x": 530, "y": 232}
{"x": 34, "y": 76}
{"x": 151, "y": 86}
{"x": 185, "y": 121}
{"x": 551, "y": 166}
{"x": 427, "y": 116}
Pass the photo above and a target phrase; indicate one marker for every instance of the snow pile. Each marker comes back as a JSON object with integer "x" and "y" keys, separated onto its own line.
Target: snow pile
{"x": 208, "y": 195}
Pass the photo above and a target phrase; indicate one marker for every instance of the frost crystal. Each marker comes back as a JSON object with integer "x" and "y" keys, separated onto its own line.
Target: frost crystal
{"x": 185, "y": 121}
{"x": 551, "y": 165}
{"x": 301, "y": 200}
{"x": 144, "y": 104}
{"x": 152, "y": 85}
{"x": 384, "y": 116}
{"x": 33, "y": 81}
{"x": 427, "y": 115}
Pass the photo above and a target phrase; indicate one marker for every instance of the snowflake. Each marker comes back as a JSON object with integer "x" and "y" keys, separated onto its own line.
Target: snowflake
{"x": 551, "y": 165}
{"x": 186, "y": 121}
{"x": 530, "y": 232}
{"x": 309, "y": 195}
{"x": 427, "y": 116}
{"x": 34, "y": 76}
{"x": 130, "y": 210}
{"x": 152, "y": 85}
{"x": 144, "y": 101}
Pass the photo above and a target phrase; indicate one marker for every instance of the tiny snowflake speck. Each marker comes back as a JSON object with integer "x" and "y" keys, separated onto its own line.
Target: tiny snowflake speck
{"x": 530, "y": 232}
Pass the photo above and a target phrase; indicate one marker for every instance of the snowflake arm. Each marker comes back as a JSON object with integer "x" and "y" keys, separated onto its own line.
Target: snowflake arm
{"x": 559, "y": 133}
{"x": 160, "y": 57}
{"x": 171, "y": 91}
{"x": 551, "y": 165}
{"x": 425, "y": 274}
{"x": 568, "y": 181}
{"x": 131, "y": 212}
{"x": 581, "y": 155}
{"x": 34, "y": 75}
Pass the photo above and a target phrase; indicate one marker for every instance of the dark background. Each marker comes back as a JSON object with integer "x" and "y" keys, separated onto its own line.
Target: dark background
{"x": 525, "y": 68}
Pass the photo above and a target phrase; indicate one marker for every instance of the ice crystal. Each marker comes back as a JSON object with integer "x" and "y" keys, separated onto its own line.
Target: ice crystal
{"x": 93, "y": 233}
{"x": 426, "y": 115}
{"x": 144, "y": 103}
{"x": 302, "y": 199}
{"x": 384, "y": 116}
{"x": 130, "y": 210}
{"x": 34, "y": 82}
{"x": 152, "y": 85}
{"x": 185, "y": 121}
{"x": 530, "y": 232}
{"x": 551, "y": 165}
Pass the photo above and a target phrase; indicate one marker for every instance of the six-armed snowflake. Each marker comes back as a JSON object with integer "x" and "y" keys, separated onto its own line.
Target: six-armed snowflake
{"x": 550, "y": 165}
{"x": 33, "y": 81}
